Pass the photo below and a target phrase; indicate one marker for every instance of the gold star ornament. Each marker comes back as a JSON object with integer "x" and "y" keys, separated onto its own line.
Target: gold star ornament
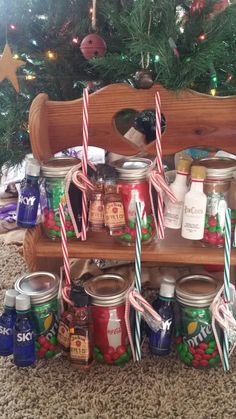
{"x": 9, "y": 66}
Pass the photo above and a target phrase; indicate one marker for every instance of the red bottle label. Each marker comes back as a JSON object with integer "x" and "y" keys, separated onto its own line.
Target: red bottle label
{"x": 131, "y": 193}
{"x": 110, "y": 334}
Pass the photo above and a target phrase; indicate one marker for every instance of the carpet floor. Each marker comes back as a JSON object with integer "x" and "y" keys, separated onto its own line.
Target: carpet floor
{"x": 155, "y": 388}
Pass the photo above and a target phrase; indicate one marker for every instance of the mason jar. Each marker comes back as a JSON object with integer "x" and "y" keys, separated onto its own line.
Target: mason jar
{"x": 196, "y": 344}
{"x": 42, "y": 288}
{"x": 53, "y": 192}
{"x": 133, "y": 186}
{"x": 111, "y": 342}
{"x": 217, "y": 189}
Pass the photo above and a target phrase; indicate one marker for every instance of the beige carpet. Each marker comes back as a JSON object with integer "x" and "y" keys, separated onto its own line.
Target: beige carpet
{"x": 155, "y": 388}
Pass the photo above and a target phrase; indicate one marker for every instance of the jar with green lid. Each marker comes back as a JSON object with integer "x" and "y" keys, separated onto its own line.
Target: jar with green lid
{"x": 219, "y": 173}
{"x": 196, "y": 345}
{"x": 53, "y": 192}
{"x": 42, "y": 288}
{"x": 133, "y": 186}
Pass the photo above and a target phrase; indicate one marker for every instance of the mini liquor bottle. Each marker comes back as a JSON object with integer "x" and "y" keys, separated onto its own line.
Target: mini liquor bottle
{"x": 81, "y": 331}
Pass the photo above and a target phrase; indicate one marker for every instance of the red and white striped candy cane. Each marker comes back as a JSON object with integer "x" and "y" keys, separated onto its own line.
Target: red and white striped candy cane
{"x": 160, "y": 209}
{"x": 64, "y": 245}
{"x": 85, "y": 162}
{"x": 158, "y": 182}
{"x": 158, "y": 133}
{"x": 139, "y": 303}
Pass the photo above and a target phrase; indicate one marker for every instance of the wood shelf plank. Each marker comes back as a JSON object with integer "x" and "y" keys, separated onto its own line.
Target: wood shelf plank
{"x": 174, "y": 249}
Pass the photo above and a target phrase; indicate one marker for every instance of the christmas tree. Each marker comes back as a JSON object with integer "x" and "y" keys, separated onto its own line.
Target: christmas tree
{"x": 69, "y": 44}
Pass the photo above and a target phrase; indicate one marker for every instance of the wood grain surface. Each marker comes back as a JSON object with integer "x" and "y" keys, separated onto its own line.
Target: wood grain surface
{"x": 192, "y": 119}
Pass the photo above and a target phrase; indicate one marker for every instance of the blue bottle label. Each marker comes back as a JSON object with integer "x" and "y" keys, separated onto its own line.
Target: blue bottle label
{"x": 160, "y": 341}
{"x": 27, "y": 210}
{"x": 7, "y": 321}
{"x": 5, "y": 331}
{"x": 28, "y": 201}
{"x": 24, "y": 337}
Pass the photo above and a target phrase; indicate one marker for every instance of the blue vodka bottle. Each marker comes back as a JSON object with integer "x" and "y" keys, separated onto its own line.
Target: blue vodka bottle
{"x": 7, "y": 321}
{"x": 23, "y": 333}
{"x": 160, "y": 341}
{"x": 28, "y": 200}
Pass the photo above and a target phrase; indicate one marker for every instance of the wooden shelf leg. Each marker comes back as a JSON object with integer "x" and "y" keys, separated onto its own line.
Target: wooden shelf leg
{"x": 34, "y": 262}
{"x": 29, "y": 247}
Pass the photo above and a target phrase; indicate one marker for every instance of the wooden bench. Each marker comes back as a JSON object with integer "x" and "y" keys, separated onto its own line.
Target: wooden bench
{"x": 192, "y": 119}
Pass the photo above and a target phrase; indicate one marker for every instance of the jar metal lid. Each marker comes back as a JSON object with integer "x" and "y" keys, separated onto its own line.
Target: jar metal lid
{"x": 39, "y": 286}
{"x": 58, "y": 166}
{"x": 107, "y": 289}
{"x": 218, "y": 167}
{"x": 133, "y": 168}
{"x": 196, "y": 290}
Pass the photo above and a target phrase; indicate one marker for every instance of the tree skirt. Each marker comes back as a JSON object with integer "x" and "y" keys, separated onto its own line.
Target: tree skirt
{"x": 155, "y": 388}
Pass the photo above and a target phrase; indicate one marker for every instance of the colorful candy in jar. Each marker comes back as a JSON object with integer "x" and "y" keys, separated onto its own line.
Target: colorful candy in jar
{"x": 54, "y": 173}
{"x": 133, "y": 186}
{"x": 42, "y": 288}
{"x": 111, "y": 343}
{"x": 195, "y": 341}
{"x": 217, "y": 188}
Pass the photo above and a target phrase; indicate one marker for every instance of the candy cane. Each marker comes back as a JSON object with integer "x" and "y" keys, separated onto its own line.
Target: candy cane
{"x": 158, "y": 182}
{"x": 85, "y": 162}
{"x": 141, "y": 306}
{"x": 64, "y": 245}
{"x": 158, "y": 133}
{"x": 82, "y": 182}
{"x": 160, "y": 208}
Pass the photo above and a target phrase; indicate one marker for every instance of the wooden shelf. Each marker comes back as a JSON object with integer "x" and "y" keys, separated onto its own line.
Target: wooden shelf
{"x": 173, "y": 250}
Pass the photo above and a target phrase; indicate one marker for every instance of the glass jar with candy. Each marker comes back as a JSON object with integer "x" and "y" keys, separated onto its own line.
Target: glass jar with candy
{"x": 53, "y": 192}
{"x": 196, "y": 344}
{"x": 111, "y": 342}
{"x": 217, "y": 188}
{"x": 133, "y": 186}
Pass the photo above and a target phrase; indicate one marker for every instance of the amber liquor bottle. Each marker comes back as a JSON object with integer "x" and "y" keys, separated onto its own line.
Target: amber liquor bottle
{"x": 63, "y": 334}
{"x": 81, "y": 331}
{"x": 113, "y": 209}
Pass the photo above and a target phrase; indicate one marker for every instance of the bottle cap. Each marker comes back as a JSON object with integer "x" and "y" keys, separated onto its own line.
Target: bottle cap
{"x": 22, "y": 302}
{"x": 32, "y": 167}
{"x": 79, "y": 297}
{"x": 198, "y": 172}
{"x": 10, "y": 298}
{"x": 167, "y": 289}
{"x": 183, "y": 165}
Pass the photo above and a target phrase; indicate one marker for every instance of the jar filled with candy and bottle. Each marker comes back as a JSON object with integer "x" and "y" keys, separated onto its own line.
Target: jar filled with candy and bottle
{"x": 196, "y": 344}
{"x": 133, "y": 186}
{"x": 111, "y": 343}
{"x": 42, "y": 288}
{"x": 219, "y": 172}
{"x": 53, "y": 192}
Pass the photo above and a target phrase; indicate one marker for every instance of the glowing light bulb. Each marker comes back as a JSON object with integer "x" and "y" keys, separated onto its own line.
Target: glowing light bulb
{"x": 30, "y": 77}
{"x": 156, "y": 58}
{"x": 202, "y": 37}
{"x": 230, "y": 77}
{"x": 91, "y": 10}
{"x": 213, "y": 92}
{"x": 75, "y": 40}
{"x": 51, "y": 55}
{"x": 16, "y": 56}
{"x": 12, "y": 27}
{"x": 34, "y": 42}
